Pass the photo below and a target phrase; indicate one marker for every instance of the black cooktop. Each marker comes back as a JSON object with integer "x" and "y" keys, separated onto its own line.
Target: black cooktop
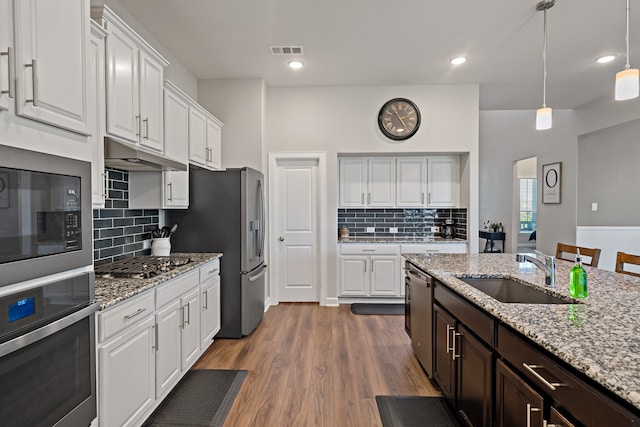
{"x": 142, "y": 267}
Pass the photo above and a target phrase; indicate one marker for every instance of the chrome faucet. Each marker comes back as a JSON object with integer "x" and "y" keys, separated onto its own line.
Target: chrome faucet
{"x": 549, "y": 266}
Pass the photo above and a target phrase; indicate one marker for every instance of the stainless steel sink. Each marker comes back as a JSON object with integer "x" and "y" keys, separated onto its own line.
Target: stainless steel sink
{"x": 507, "y": 290}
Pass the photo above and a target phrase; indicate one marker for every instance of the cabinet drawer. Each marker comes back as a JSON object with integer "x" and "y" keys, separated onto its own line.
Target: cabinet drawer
{"x": 476, "y": 320}
{"x": 173, "y": 289}
{"x": 123, "y": 315}
{"x": 376, "y": 249}
{"x": 581, "y": 400}
{"x": 209, "y": 270}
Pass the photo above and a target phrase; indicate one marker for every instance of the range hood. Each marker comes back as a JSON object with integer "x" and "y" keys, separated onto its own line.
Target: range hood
{"x": 127, "y": 157}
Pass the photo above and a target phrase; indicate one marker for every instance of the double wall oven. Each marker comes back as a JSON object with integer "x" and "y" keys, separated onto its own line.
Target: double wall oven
{"x": 47, "y": 309}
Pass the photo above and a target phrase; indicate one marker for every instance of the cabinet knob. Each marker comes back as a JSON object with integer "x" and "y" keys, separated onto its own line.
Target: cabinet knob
{"x": 281, "y": 239}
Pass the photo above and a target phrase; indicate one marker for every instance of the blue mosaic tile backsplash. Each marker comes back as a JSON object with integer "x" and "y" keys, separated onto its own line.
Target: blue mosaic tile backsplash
{"x": 412, "y": 223}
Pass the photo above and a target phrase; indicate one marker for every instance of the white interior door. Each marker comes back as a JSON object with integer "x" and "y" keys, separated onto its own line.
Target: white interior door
{"x": 297, "y": 231}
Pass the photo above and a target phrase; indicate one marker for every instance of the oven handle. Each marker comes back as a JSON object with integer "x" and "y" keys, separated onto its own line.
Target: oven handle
{"x": 50, "y": 329}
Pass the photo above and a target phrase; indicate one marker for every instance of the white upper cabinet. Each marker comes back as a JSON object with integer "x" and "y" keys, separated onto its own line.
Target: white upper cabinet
{"x": 352, "y": 181}
{"x": 7, "y": 55}
{"x": 443, "y": 181}
{"x": 176, "y": 123}
{"x": 134, "y": 83}
{"x": 411, "y": 183}
{"x": 95, "y": 85}
{"x": 381, "y": 182}
{"x": 214, "y": 143}
{"x": 197, "y": 136}
{"x": 48, "y": 61}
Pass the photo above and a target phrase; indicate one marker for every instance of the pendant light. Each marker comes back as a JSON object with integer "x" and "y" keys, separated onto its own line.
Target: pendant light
{"x": 627, "y": 80}
{"x": 544, "y": 114}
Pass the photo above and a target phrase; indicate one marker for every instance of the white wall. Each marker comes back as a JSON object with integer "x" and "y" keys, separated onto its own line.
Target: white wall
{"x": 509, "y": 136}
{"x": 344, "y": 120}
{"x": 239, "y": 104}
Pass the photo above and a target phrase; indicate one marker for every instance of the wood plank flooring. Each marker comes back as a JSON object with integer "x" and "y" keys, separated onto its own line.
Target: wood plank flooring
{"x": 318, "y": 366}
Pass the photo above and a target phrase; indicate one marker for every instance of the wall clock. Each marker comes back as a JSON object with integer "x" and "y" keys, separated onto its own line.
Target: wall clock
{"x": 399, "y": 119}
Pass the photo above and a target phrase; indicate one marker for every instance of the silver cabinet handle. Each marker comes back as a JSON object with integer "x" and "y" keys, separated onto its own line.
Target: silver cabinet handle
{"x": 362, "y": 198}
{"x": 131, "y": 316}
{"x": 530, "y": 409}
{"x": 372, "y": 266}
{"x": 146, "y": 128}
{"x": 368, "y": 250}
{"x": 182, "y": 317}
{"x": 429, "y": 198}
{"x": 155, "y": 337}
{"x": 105, "y": 184}
{"x": 205, "y": 304}
{"x": 532, "y": 369}
{"x": 188, "y": 313}
{"x": 449, "y": 329}
{"x": 369, "y": 199}
{"x": 422, "y": 198}
{"x": 365, "y": 265}
{"x": 10, "y": 76}
{"x": 34, "y": 82}
{"x": 170, "y": 196}
{"x": 455, "y": 356}
{"x": 139, "y": 125}
{"x": 213, "y": 271}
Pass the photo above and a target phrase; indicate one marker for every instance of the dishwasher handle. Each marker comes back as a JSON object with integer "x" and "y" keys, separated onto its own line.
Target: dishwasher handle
{"x": 419, "y": 279}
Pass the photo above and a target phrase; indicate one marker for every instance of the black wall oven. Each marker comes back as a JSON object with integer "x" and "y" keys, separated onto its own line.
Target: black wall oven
{"x": 47, "y": 308}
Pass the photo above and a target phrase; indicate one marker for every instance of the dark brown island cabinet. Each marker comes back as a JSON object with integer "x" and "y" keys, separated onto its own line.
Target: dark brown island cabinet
{"x": 493, "y": 376}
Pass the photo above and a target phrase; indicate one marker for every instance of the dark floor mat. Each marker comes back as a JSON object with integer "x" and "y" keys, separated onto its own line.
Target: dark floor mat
{"x": 415, "y": 411}
{"x": 203, "y": 397}
{"x": 373, "y": 308}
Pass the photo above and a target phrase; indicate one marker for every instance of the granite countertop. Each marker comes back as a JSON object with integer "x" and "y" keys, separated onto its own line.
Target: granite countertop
{"x": 599, "y": 337}
{"x": 400, "y": 240}
{"x": 111, "y": 291}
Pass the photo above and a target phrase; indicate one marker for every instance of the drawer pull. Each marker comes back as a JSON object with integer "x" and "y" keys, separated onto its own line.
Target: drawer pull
{"x": 214, "y": 271}
{"x": 455, "y": 356}
{"x": 532, "y": 368}
{"x": 368, "y": 250}
{"x": 530, "y": 409}
{"x": 131, "y": 316}
{"x": 449, "y": 329}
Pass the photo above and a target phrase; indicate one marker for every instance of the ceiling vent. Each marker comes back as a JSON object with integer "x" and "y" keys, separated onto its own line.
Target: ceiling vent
{"x": 286, "y": 50}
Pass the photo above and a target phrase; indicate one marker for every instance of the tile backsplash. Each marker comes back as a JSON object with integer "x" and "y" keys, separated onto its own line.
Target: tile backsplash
{"x": 119, "y": 232}
{"x": 413, "y": 223}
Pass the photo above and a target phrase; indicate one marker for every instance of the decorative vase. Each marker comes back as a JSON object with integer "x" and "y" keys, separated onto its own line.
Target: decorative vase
{"x": 160, "y": 246}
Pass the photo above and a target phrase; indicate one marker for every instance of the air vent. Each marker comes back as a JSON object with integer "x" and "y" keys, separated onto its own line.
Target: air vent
{"x": 286, "y": 50}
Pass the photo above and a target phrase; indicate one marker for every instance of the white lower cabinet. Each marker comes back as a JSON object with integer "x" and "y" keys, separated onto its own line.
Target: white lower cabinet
{"x": 143, "y": 351}
{"x": 369, "y": 270}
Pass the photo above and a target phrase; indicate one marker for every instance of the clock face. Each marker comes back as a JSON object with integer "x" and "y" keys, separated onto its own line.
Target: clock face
{"x": 399, "y": 119}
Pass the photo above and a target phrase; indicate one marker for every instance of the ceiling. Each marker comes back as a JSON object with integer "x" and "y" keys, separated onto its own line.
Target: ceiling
{"x": 403, "y": 42}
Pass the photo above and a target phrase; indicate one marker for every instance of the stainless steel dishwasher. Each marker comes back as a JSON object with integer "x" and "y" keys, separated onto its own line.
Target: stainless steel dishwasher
{"x": 420, "y": 287}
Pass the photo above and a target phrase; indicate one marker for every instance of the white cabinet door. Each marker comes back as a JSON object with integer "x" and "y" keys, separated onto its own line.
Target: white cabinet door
{"x": 176, "y": 124}
{"x": 51, "y": 62}
{"x": 197, "y": 137}
{"x": 128, "y": 391}
{"x": 411, "y": 182}
{"x": 151, "y": 72}
{"x": 385, "y": 271}
{"x": 168, "y": 365}
{"x": 175, "y": 189}
{"x": 443, "y": 181}
{"x": 95, "y": 85}
{"x": 7, "y": 55}
{"x": 354, "y": 275}
{"x": 214, "y": 144}
{"x": 190, "y": 331}
{"x": 381, "y": 182}
{"x": 123, "y": 102}
{"x": 352, "y": 182}
{"x": 210, "y": 319}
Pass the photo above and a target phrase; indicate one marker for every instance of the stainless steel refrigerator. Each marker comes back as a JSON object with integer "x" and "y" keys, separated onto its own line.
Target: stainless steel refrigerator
{"x": 226, "y": 214}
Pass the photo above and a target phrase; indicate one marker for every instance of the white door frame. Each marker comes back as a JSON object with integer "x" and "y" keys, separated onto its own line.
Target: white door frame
{"x": 321, "y": 157}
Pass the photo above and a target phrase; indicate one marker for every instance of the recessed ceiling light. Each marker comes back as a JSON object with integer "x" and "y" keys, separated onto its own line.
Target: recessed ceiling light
{"x": 458, "y": 60}
{"x": 295, "y": 64}
{"x": 605, "y": 59}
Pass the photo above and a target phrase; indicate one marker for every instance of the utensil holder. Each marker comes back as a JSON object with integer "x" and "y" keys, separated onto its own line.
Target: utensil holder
{"x": 160, "y": 246}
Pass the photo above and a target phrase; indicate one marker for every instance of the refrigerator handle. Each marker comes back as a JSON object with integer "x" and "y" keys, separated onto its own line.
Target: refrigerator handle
{"x": 259, "y": 275}
{"x": 261, "y": 229}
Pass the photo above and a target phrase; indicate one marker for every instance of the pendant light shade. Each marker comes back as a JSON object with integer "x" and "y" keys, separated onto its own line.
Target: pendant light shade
{"x": 544, "y": 115}
{"x": 627, "y": 80}
{"x": 544, "y": 118}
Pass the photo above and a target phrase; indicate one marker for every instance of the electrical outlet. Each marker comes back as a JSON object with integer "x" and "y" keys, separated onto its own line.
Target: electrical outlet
{"x": 435, "y": 229}
{"x": 371, "y": 229}
{"x": 393, "y": 229}
{"x": 146, "y": 244}
{"x": 594, "y": 206}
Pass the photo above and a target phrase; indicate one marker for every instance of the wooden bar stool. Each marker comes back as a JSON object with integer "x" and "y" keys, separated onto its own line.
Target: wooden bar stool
{"x": 622, "y": 259}
{"x": 592, "y": 253}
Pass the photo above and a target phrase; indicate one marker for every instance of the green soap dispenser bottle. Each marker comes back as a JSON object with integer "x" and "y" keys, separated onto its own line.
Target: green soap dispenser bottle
{"x": 578, "y": 279}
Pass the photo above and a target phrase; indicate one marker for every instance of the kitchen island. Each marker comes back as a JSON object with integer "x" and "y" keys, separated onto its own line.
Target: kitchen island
{"x": 597, "y": 338}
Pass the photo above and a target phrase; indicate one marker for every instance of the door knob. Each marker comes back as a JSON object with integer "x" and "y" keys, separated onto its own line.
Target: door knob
{"x": 281, "y": 239}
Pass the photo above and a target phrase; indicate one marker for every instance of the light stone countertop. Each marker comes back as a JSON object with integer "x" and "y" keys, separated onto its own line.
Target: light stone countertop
{"x": 599, "y": 337}
{"x": 111, "y": 291}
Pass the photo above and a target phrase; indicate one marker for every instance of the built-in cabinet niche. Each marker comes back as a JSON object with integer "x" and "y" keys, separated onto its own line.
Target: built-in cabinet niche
{"x": 411, "y": 182}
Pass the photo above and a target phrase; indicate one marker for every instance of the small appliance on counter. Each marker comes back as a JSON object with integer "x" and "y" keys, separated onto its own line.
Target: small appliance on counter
{"x": 449, "y": 229}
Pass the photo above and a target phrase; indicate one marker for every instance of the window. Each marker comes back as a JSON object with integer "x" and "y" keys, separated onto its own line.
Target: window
{"x": 528, "y": 198}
